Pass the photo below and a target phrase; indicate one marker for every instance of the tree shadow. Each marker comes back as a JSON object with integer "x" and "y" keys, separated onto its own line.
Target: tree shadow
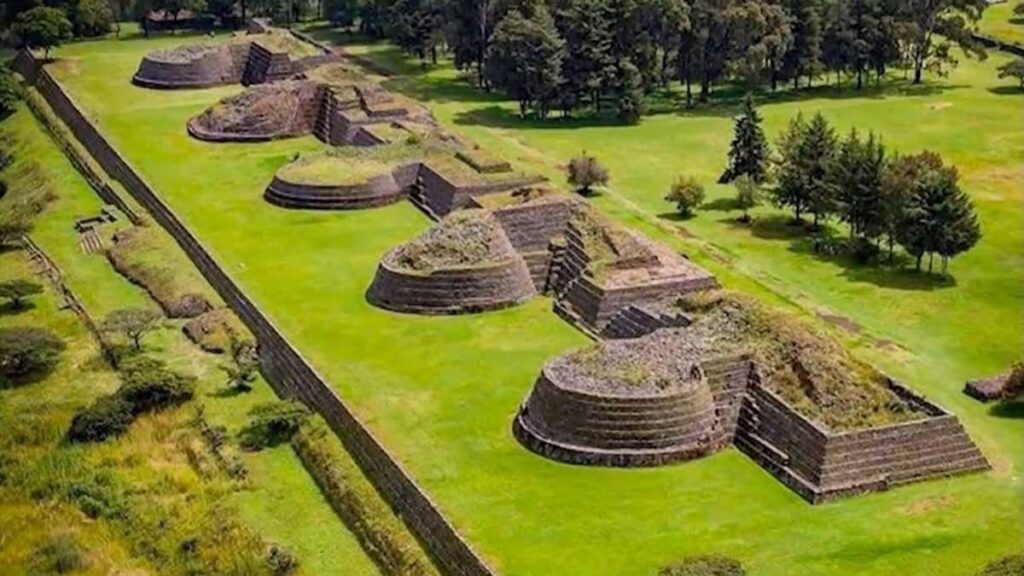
{"x": 724, "y": 204}
{"x": 1008, "y": 409}
{"x": 9, "y": 309}
{"x": 803, "y": 240}
{"x": 675, "y": 216}
{"x": 1007, "y": 90}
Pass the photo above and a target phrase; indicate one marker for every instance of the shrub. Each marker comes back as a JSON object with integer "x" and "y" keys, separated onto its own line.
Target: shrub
{"x": 13, "y": 225}
{"x": 280, "y": 561}
{"x": 26, "y": 352}
{"x": 687, "y": 193}
{"x": 108, "y": 416}
{"x": 8, "y": 95}
{"x": 585, "y": 172}
{"x": 272, "y": 423}
{"x": 1006, "y": 566}
{"x": 704, "y": 566}
{"x": 1015, "y": 382}
{"x": 59, "y": 554}
{"x": 17, "y": 290}
{"x": 147, "y": 384}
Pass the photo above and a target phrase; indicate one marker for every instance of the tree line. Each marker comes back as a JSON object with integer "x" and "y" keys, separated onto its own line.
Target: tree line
{"x": 572, "y": 54}
{"x": 885, "y": 199}
{"x": 913, "y": 201}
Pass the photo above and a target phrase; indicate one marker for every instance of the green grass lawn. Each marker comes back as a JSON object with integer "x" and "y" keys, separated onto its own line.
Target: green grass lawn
{"x": 279, "y": 483}
{"x": 441, "y": 392}
{"x": 1000, "y": 23}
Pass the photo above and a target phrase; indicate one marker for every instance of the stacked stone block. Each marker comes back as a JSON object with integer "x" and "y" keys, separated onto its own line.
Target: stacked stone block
{"x": 380, "y": 190}
{"x": 564, "y": 421}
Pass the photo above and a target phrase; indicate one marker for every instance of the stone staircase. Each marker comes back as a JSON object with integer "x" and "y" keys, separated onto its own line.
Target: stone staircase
{"x": 323, "y": 126}
{"x": 419, "y": 200}
{"x": 256, "y": 66}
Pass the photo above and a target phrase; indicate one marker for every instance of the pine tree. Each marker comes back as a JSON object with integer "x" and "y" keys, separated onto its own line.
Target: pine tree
{"x": 791, "y": 190}
{"x": 749, "y": 152}
{"x": 804, "y": 56}
{"x": 817, "y": 160}
{"x": 939, "y": 218}
{"x": 858, "y": 176}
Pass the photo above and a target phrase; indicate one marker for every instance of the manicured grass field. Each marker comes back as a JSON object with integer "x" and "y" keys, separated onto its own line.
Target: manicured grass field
{"x": 279, "y": 492}
{"x": 441, "y": 392}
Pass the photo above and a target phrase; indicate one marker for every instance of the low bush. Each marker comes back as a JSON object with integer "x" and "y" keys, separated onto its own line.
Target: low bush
{"x": 1014, "y": 382}
{"x": 107, "y": 417}
{"x": 27, "y": 352}
{"x": 1007, "y": 566}
{"x": 59, "y": 554}
{"x": 704, "y": 566}
{"x": 272, "y": 423}
{"x": 380, "y": 532}
{"x": 148, "y": 385}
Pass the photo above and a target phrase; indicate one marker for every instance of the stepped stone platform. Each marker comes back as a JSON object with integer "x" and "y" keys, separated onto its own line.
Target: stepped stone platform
{"x": 464, "y": 264}
{"x": 430, "y": 177}
{"x": 310, "y": 104}
{"x": 255, "y": 58}
{"x": 575, "y": 412}
{"x": 593, "y": 408}
{"x": 266, "y": 112}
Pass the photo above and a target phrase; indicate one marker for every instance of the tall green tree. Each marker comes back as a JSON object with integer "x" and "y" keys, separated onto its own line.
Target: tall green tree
{"x": 525, "y": 60}
{"x": 939, "y": 217}
{"x": 749, "y": 152}
{"x": 817, "y": 160}
{"x": 42, "y": 28}
{"x": 803, "y": 58}
{"x": 586, "y": 28}
{"x": 859, "y": 176}
{"x": 932, "y": 27}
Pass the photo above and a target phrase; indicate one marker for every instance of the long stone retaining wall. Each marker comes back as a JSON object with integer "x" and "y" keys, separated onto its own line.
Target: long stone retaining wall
{"x": 284, "y": 367}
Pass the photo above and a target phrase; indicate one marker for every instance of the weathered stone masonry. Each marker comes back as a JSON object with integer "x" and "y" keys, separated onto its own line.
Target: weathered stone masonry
{"x": 285, "y": 369}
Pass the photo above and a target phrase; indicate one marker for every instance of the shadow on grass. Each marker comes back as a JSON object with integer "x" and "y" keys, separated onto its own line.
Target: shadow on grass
{"x": 1008, "y": 409}
{"x": 1007, "y": 90}
{"x": 897, "y": 274}
{"x": 9, "y": 309}
{"x": 675, "y": 216}
{"x": 721, "y": 205}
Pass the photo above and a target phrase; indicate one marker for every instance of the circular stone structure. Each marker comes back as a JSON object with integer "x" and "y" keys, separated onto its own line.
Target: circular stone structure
{"x": 191, "y": 66}
{"x": 630, "y": 403}
{"x": 264, "y": 112}
{"x": 327, "y": 182}
{"x": 464, "y": 264}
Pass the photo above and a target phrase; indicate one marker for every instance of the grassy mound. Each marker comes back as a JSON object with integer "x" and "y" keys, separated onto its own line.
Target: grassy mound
{"x": 277, "y": 40}
{"x": 808, "y": 368}
{"x": 330, "y": 169}
{"x": 336, "y": 74}
{"x": 146, "y": 257}
{"x": 465, "y": 239}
